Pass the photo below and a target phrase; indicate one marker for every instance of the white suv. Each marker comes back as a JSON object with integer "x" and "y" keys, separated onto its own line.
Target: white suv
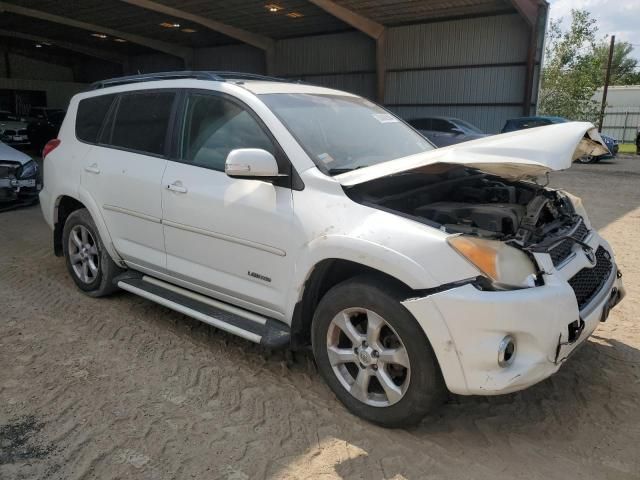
{"x": 294, "y": 215}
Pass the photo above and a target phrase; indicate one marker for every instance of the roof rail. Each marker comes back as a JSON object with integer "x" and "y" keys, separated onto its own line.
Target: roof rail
{"x": 197, "y": 74}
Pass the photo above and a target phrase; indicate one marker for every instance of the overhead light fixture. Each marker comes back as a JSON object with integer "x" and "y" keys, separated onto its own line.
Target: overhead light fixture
{"x": 120, "y": 40}
{"x": 272, "y": 7}
{"x": 295, "y": 15}
{"x": 38, "y": 45}
{"x": 188, "y": 30}
{"x": 46, "y": 44}
{"x": 170, "y": 25}
{"x": 99, "y": 35}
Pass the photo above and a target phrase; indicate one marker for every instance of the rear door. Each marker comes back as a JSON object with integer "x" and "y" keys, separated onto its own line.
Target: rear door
{"x": 123, "y": 172}
{"x": 230, "y": 236}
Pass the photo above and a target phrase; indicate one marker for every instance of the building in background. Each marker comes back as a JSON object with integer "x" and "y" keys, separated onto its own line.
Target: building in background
{"x": 622, "y": 113}
{"x": 478, "y": 60}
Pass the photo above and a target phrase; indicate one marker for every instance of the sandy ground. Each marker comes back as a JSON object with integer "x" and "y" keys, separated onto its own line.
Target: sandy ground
{"x": 123, "y": 388}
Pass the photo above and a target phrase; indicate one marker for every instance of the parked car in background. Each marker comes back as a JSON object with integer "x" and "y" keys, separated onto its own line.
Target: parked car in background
{"x": 443, "y": 131}
{"x": 540, "y": 121}
{"x": 300, "y": 216}
{"x": 43, "y": 126}
{"x": 13, "y": 131}
{"x": 19, "y": 175}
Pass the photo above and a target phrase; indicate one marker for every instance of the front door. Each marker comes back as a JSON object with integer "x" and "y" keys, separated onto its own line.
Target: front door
{"x": 227, "y": 235}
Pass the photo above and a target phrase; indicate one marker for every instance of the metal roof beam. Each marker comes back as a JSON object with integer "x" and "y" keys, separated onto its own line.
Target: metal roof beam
{"x": 73, "y": 47}
{"x": 357, "y": 21}
{"x": 244, "y": 36}
{"x": 182, "y": 52}
{"x": 367, "y": 26}
{"x": 528, "y": 9}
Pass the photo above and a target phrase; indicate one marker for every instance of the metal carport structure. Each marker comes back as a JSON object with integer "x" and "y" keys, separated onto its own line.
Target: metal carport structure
{"x": 474, "y": 59}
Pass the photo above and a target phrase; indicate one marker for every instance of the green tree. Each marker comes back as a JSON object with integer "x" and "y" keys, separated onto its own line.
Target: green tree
{"x": 568, "y": 80}
{"x": 624, "y": 68}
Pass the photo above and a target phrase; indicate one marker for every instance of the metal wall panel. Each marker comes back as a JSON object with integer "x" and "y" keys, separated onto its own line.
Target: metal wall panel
{"x": 460, "y": 85}
{"x": 363, "y": 84}
{"x": 337, "y": 53}
{"x": 237, "y": 58}
{"x": 58, "y": 93}
{"x": 489, "y": 119}
{"x": 471, "y": 41}
{"x": 25, "y": 67}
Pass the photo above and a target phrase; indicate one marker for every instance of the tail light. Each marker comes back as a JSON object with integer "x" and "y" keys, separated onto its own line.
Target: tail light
{"x": 50, "y": 147}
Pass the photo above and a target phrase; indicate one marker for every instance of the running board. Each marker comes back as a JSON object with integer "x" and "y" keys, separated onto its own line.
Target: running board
{"x": 250, "y": 326}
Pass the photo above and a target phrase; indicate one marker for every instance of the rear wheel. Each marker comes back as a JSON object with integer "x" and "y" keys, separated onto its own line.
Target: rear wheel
{"x": 373, "y": 354}
{"x": 88, "y": 262}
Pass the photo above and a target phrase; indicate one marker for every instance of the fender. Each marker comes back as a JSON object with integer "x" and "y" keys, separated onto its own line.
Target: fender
{"x": 357, "y": 250}
{"x": 87, "y": 200}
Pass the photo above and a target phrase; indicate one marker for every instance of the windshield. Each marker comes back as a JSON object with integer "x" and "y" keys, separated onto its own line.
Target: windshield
{"x": 468, "y": 127}
{"x": 342, "y": 133}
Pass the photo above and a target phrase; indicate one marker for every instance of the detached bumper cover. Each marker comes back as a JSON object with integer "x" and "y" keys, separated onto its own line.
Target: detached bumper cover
{"x": 465, "y": 327}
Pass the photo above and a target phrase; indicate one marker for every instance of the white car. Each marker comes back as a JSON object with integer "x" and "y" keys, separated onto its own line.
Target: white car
{"x": 294, "y": 215}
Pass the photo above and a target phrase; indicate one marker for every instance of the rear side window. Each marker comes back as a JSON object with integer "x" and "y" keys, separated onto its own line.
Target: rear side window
{"x": 91, "y": 115}
{"x": 141, "y": 122}
{"x": 421, "y": 123}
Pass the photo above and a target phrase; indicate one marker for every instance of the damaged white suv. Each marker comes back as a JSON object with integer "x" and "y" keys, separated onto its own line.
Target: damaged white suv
{"x": 295, "y": 215}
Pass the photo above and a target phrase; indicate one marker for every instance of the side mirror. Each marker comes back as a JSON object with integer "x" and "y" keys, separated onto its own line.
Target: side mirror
{"x": 457, "y": 131}
{"x": 251, "y": 163}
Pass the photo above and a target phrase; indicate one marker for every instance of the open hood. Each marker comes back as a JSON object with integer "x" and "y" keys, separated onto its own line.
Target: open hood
{"x": 514, "y": 155}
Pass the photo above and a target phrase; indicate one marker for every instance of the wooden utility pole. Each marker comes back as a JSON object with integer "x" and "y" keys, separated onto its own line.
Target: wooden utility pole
{"x": 606, "y": 82}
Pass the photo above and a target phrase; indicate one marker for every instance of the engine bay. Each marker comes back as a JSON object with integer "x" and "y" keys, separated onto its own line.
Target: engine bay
{"x": 464, "y": 200}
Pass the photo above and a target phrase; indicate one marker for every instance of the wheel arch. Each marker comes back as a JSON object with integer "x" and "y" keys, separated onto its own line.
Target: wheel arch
{"x": 324, "y": 275}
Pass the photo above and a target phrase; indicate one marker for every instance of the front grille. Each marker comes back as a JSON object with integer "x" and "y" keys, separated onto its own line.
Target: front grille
{"x": 22, "y": 132}
{"x": 561, "y": 252}
{"x": 587, "y": 282}
{"x": 10, "y": 133}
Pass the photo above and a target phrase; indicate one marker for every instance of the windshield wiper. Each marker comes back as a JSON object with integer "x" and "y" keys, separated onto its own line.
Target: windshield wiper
{"x": 338, "y": 171}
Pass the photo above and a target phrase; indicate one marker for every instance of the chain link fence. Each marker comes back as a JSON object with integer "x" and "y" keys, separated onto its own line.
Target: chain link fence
{"x": 622, "y": 123}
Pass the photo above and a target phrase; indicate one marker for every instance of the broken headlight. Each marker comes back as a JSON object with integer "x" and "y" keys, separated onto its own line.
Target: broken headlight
{"x": 29, "y": 169}
{"x": 505, "y": 266}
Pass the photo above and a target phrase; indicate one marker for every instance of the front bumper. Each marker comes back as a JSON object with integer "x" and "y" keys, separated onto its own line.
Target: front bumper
{"x": 465, "y": 327}
{"x": 12, "y": 189}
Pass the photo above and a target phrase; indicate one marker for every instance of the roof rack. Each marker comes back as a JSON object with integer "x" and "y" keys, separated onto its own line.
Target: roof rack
{"x": 220, "y": 76}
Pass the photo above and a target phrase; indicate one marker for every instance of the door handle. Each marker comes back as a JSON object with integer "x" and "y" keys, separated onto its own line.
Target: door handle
{"x": 93, "y": 168}
{"x": 177, "y": 187}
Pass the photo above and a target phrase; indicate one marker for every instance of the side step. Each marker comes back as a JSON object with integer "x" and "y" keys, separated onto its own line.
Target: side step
{"x": 250, "y": 326}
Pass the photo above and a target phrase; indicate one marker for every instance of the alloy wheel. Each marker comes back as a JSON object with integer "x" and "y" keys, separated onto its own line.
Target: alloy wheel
{"x": 368, "y": 357}
{"x": 83, "y": 254}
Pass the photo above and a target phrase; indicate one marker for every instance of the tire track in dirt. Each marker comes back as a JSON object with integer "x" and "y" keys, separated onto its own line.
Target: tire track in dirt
{"x": 128, "y": 389}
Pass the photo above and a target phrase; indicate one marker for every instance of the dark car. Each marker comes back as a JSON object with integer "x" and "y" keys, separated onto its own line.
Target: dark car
{"x": 44, "y": 124}
{"x": 540, "y": 121}
{"x": 444, "y": 131}
{"x": 19, "y": 176}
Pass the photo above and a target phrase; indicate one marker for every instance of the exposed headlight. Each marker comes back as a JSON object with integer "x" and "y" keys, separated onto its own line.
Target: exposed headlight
{"x": 506, "y": 266}
{"x": 30, "y": 169}
{"x": 578, "y": 207}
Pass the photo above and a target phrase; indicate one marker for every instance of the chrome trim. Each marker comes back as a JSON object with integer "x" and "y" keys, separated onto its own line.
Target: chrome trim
{"x": 228, "y": 238}
{"x": 185, "y": 282}
{"x": 133, "y": 213}
{"x": 191, "y": 313}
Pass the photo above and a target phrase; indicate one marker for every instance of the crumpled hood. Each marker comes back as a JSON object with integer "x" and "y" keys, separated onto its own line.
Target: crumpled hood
{"x": 514, "y": 155}
{"x": 12, "y": 155}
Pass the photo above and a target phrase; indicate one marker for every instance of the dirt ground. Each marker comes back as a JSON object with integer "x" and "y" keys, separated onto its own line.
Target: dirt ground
{"x": 124, "y": 388}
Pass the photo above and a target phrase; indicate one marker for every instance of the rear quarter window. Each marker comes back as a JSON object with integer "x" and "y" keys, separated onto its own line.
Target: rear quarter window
{"x": 91, "y": 115}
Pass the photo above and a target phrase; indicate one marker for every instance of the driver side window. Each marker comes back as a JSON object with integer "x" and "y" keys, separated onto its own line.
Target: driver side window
{"x": 213, "y": 126}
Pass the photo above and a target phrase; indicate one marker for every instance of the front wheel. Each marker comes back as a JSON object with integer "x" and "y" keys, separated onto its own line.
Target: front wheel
{"x": 587, "y": 159}
{"x": 373, "y": 354}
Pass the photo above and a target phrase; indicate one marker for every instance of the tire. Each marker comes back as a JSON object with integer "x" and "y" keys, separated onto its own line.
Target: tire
{"x": 78, "y": 234}
{"x": 587, "y": 159}
{"x": 420, "y": 384}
